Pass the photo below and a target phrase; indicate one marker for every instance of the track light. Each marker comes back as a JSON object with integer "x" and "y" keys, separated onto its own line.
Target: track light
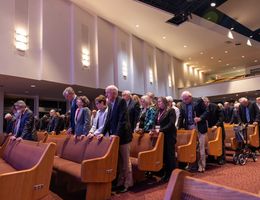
{"x": 230, "y": 35}
{"x": 249, "y": 42}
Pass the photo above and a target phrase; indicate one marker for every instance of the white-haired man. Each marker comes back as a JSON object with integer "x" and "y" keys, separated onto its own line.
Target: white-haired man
{"x": 117, "y": 123}
{"x": 172, "y": 104}
{"x": 247, "y": 112}
{"x": 70, "y": 96}
{"x": 133, "y": 109}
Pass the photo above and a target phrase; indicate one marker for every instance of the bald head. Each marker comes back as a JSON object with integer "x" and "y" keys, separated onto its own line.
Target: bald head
{"x": 186, "y": 97}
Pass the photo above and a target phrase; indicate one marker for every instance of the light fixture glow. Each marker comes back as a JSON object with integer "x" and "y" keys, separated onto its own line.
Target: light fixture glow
{"x": 255, "y": 61}
{"x": 249, "y": 42}
{"x": 211, "y": 57}
{"x": 33, "y": 86}
{"x": 226, "y": 51}
{"x": 137, "y": 26}
{"x": 21, "y": 39}
{"x": 212, "y": 4}
{"x": 185, "y": 46}
{"x": 164, "y": 37}
{"x": 170, "y": 81}
{"x": 201, "y": 53}
{"x": 85, "y": 57}
{"x": 124, "y": 69}
{"x": 151, "y": 76}
{"x": 230, "y": 35}
{"x": 243, "y": 56}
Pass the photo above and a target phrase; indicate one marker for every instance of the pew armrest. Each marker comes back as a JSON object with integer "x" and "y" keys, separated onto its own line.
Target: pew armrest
{"x": 152, "y": 160}
{"x": 215, "y": 146}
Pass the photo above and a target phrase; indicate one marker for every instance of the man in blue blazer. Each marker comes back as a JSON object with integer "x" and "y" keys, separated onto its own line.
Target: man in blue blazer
{"x": 117, "y": 123}
{"x": 24, "y": 123}
{"x": 70, "y": 96}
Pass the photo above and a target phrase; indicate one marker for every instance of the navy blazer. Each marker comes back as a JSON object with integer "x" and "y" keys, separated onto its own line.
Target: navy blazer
{"x": 82, "y": 125}
{"x": 54, "y": 124}
{"x": 117, "y": 122}
{"x": 134, "y": 112}
{"x": 253, "y": 112}
{"x": 73, "y": 108}
{"x": 26, "y": 125}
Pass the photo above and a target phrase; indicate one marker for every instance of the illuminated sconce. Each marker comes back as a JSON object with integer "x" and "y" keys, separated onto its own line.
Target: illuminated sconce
{"x": 21, "y": 39}
{"x": 170, "y": 81}
{"x": 85, "y": 57}
{"x": 151, "y": 76}
{"x": 124, "y": 69}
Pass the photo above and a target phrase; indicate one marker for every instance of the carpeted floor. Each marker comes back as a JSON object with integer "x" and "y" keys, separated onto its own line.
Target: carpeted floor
{"x": 236, "y": 176}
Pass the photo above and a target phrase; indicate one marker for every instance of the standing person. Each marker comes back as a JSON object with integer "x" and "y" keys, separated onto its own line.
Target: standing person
{"x": 215, "y": 119}
{"x": 54, "y": 122}
{"x": 9, "y": 123}
{"x": 172, "y": 104}
{"x": 82, "y": 116}
{"x": 24, "y": 123}
{"x": 248, "y": 113}
{"x": 235, "y": 119}
{"x": 165, "y": 119}
{"x": 100, "y": 119}
{"x": 133, "y": 109}
{"x": 117, "y": 123}
{"x": 70, "y": 96}
{"x": 227, "y": 112}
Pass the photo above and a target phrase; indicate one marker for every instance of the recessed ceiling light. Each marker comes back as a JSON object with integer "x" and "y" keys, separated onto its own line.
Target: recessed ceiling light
{"x": 219, "y": 60}
{"x": 227, "y": 64}
{"x": 201, "y": 53}
{"x": 226, "y": 51}
{"x": 255, "y": 61}
{"x": 249, "y": 43}
{"x": 79, "y": 91}
{"x": 137, "y": 26}
{"x": 234, "y": 67}
{"x": 232, "y": 28}
{"x": 243, "y": 56}
{"x": 212, "y": 4}
{"x": 230, "y": 35}
{"x": 251, "y": 36}
{"x": 211, "y": 57}
{"x": 185, "y": 46}
{"x": 164, "y": 37}
{"x": 33, "y": 86}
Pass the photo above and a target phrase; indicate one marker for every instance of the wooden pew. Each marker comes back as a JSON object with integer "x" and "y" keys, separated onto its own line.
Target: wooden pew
{"x": 214, "y": 142}
{"x": 182, "y": 186}
{"x": 230, "y": 139}
{"x": 3, "y": 138}
{"x": 186, "y": 145}
{"x": 253, "y": 135}
{"x": 59, "y": 141}
{"x": 42, "y": 136}
{"x": 146, "y": 154}
{"x": 25, "y": 170}
{"x": 90, "y": 162}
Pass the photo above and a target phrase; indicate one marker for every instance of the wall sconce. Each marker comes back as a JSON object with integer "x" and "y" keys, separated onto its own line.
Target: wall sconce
{"x": 21, "y": 39}
{"x": 85, "y": 57}
{"x": 124, "y": 69}
{"x": 170, "y": 81}
{"x": 151, "y": 76}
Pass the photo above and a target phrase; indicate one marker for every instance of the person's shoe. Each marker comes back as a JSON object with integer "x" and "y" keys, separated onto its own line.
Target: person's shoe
{"x": 122, "y": 190}
{"x": 201, "y": 169}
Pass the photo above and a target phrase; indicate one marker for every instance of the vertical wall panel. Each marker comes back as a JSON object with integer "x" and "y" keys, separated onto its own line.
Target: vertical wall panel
{"x": 84, "y": 36}
{"x": 162, "y": 76}
{"x": 138, "y": 66}
{"x": 105, "y": 53}
{"x": 149, "y": 63}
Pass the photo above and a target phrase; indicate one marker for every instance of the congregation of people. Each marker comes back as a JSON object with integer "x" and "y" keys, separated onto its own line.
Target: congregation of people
{"x": 125, "y": 114}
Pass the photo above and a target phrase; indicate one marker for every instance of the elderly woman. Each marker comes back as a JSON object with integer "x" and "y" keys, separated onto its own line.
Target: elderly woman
{"x": 147, "y": 115}
{"x": 82, "y": 116}
{"x": 165, "y": 123}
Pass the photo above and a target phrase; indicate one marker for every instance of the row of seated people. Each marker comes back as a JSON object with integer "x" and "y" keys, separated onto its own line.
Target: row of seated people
{"x": 117, "y": 123}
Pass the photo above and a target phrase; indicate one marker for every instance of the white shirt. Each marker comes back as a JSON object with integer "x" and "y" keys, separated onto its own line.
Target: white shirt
{"x": 100, "y": 119}
{"x": 177, "y": 112}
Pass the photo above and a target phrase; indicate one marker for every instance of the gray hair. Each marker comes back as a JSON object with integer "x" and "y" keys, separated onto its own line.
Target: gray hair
{"x": 68, "y": 90}
{"x": 127, "y": 92}
{"x": 20, "y": 103}
{"x": 186, "y": 93}
{"x": 112, "y": 88}
{"x": 169, "y": 98}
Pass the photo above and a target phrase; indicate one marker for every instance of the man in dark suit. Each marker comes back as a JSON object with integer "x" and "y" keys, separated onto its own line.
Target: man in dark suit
{"x": 215, "y": 119}
{"x": 9, "y": 123}
{"x": 133, "y": 109}
{"x": 54, "y": 122}
{"x": 70, "y": 96}
{"x": 117, "y": 123}
{"x": 24, "y": 123}
{"x": 227, "y": 111}
{"x": 248, "y": 112}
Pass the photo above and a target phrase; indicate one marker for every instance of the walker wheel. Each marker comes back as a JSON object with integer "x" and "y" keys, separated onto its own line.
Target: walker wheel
{"x": 235, "y": 159}
{"x": 242, "y": 159}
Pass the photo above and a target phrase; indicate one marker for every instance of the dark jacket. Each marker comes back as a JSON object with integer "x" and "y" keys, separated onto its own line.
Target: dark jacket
{"x": 227, "y": 114}
{"x": 133, "y": 112}
{"x": 26, "y": 125}
{"x": 54, "y": 124}
{"x": 82, "y": 125}
{"x": 201, "y": 111}
{"x": 117, "y": 122}
{"x": 183, "y": 118}
{"x": 215, "y": 116}
{"x": 253, "y": 113}
{"x": 73, "y": 108}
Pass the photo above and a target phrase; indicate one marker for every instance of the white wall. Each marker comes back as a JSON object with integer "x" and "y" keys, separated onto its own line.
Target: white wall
{"x": 58, "y": 30}
{"x": 230, "y": 87}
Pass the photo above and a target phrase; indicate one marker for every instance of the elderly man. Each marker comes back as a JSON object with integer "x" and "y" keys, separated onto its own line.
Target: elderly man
{"x": 194, "y": 116}
{"x": 133, "y": 109}
{"x": 24, "y": 122}
{"x": 248, "y": 112}
{"x": 117, "y": 123}
{"x": 70, "y": 96}
{"x": 227, "y": 112}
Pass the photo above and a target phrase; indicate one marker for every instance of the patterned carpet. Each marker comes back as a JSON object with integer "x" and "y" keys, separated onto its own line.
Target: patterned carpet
{"x": 236, "y": 176}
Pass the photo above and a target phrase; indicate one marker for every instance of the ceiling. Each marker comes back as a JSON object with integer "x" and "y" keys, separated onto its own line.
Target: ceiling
{"x": 198, "y": 42}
